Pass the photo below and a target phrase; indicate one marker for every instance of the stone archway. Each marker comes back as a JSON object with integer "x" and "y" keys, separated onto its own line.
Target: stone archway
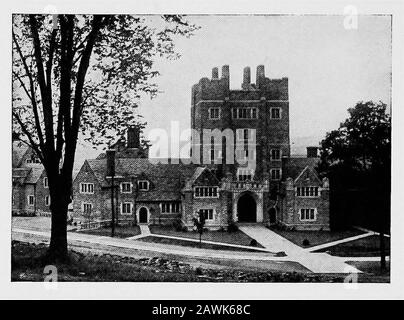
{"x": 143, "y": 215}
{"x": 246, "y": 208}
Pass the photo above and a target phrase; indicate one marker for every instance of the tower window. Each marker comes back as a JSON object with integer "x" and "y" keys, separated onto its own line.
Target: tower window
{"x": 214, "y": 113}
{"x": 244, "y": 174}
{"x": 308, "y": 214}
{"x": 245, "y": 113}
{"x": 275, "y": 154}
{"x": 275, "y": 174}
{"x": 275, "y": 113}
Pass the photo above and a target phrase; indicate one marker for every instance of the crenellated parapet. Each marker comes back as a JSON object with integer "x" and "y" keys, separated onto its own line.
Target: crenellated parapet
{"x": 218, "y": 88}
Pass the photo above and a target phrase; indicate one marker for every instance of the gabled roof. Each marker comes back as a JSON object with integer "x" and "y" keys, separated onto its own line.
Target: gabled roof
{"x": 19, "y": 149}
{"x": 166, "y": 180}
{"x": 292, "y": 167}
{"x": 29, "y": 175}
{"x": 199, "y": 174}
{"x": 308, "y": 173}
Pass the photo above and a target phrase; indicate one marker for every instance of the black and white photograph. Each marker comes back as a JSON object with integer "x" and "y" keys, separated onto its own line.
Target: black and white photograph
{"x": 194, "y": 147}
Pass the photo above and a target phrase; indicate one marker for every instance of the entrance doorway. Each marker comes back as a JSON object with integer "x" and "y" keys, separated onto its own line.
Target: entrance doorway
{"x": 247, "y": 208}
{"x": 143, "y": 215}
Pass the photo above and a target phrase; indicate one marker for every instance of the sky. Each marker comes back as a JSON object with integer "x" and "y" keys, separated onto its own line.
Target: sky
{"x": 330, "y": 68}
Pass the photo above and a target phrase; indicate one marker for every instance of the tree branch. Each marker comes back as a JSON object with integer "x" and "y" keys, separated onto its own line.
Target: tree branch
{"x": 46, "y": 104}
{"x": 29, "y": 136}
{"x": 33, "y": 95}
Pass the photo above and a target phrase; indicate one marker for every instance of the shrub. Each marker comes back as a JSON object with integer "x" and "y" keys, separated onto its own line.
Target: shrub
{"x": 232, "y": 227}
{"x": 177, "y": 225}
{"x": 253, "y": 243}
{"x": 306, "y": 242}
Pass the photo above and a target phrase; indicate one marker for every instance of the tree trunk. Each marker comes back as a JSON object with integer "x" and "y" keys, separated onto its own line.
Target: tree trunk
{"x": 58, "y": 243}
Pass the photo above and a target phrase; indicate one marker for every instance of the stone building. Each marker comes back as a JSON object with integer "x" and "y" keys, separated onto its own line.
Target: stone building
{"x": 30, "y": 193}
{"x": 262, "y": 184}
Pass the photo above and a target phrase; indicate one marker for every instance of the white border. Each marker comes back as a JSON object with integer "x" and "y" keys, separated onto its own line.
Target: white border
{"x": 205, "y": 290}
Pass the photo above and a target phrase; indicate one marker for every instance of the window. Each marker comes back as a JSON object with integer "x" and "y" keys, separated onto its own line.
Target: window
{"x": 244, "y": 174}
{"x": 47, "y": 201}
{"x": 45, "y": 182}
{"x": 245, "y": 113}
{"x": 207, "y": 214}
{"x": 275, "y": 174}
{"x": 87, "y": 188}
{"x": 126, "y": 208}
{"x": 33, "y": 159}
{"x": 31, "y": 200}
{"x": 308, "y": 214}
{"x": 214, "y": 113}
{"x": 87, "y": 208}
{"x": 275, "y": 154}
{"x": 307, "y": 191}
{"x": 245, "y": 135}
{"x": 143, "y": 185}
{"x": 275, "y": 113}
{"x": 170, "y": 207}
{"x": 206, "y": 192}
{"x": 126, "y": 187}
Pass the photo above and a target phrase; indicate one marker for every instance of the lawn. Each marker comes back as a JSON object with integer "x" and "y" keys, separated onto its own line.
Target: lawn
{"x": 120, "y": 231}
{"x": 236, "y": 237}
{"x": 27, "y": 264}
{"x": 365, "y": 247}
{"x": 193, "y": 244}
{"x": 372, "y": 268}
{"x": 315, "y": 238}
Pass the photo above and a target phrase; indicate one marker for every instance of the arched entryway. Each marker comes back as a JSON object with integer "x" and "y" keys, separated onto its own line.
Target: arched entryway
{"x": 246, "y": 208}
{"x": 143, "y": 215}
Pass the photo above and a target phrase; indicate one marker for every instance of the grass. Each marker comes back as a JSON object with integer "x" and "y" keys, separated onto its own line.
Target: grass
{"x": 237, "y": 237}
{"x": 372, "y": 268}
{"x": 27, "y": 264}
{"x": 120, "y": 231}
{"x": 193, "y": 244}
{"x": 364, "y": 247}
{"x": 315, "y": 238}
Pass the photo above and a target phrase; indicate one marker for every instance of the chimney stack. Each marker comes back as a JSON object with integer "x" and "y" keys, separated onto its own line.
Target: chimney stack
{"x": 312, "y": 152}
{"x": 110, "y": 162}
{"x": 226, "y": 75}
{"x": 246, "y": 78}
{"x": 133, "y": 137}
{"x": 260, "y": 76}
{"x": 215, "y": 73}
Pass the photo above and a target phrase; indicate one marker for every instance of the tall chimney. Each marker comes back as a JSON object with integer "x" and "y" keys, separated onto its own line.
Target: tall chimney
{"x": 246, "y": 78}
{"x": 226, "y": 75}
{"x": 312, "y": 152}
{"x": 110, "y": 162}
{"x": 215, "y": 73}
{"x": 260, "y": 76}
{"x": 133, "y": 138}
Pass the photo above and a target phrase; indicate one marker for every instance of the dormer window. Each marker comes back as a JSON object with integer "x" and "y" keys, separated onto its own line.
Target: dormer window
{"x": 126, "y": 187}
{"x": 87, "y": 188}
{"x": 143, "y": 185}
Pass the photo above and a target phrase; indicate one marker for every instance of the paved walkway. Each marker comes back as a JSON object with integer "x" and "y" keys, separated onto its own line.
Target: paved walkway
{"x": 334, "y": 243}
{"x": 144, "y": 232}
{"x": 316, "y": 262}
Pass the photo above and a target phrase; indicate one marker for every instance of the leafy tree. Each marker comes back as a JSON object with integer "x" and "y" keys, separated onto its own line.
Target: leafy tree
{"x": 357, "y": 156}
{"x": 82, "y": 74}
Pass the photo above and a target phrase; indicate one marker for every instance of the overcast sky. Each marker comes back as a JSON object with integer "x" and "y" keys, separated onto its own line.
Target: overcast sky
{"x": 329, "y": 67}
